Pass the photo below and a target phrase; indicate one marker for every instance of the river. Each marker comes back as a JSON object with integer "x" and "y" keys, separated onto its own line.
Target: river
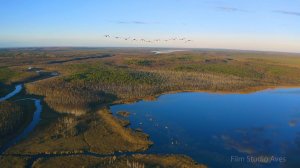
{"x": 35, "y": 120}
{"x": 17, "y": 90}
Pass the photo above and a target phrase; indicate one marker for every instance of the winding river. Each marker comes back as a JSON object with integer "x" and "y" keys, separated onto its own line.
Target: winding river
{"x": 17, "y": 90}
{"x": 35, "y": 120}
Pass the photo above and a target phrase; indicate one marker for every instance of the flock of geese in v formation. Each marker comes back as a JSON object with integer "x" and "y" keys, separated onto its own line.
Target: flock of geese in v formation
{"x": 183, "y": 39}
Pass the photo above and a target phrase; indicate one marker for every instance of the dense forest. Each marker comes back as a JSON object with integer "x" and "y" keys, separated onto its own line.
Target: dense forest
{"x": 76, "y": 93}
{"x": 126, "y": 77}
{"x": 10, "y": 116}
{"x": 14, "y": 75}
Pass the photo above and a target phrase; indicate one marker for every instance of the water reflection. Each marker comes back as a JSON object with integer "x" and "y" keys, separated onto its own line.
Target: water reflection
{"x": 293, "y": 123}
{"x": 212, "y": 127}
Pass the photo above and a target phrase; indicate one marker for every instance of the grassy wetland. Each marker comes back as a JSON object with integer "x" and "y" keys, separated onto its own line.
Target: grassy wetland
{"x": 77, "y": 86}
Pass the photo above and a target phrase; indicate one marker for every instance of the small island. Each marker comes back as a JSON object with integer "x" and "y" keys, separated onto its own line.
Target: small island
{"x": 123, "y": 113}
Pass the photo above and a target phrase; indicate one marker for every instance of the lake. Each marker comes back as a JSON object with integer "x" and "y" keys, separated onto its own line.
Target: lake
{"x": 259, "y": 129}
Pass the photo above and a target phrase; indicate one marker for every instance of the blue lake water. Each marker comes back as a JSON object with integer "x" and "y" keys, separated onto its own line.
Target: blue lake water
{"x": 223, "y": 130}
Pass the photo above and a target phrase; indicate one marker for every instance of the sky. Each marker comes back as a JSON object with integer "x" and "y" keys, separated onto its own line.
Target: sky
{"x": 270, "y": 25}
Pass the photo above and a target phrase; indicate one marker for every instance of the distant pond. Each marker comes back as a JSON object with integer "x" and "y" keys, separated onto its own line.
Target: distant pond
{"x": 260, "y": 129}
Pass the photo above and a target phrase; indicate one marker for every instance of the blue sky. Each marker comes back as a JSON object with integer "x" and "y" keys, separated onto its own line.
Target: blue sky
{"x": 235, "y": 24}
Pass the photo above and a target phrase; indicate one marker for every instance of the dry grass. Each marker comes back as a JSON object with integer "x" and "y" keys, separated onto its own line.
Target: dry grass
{"x": 97, "y": 132}
{"x": 14, "y": 117}
{"x": 135, "y": 161}
{"x": 13, "y": 162}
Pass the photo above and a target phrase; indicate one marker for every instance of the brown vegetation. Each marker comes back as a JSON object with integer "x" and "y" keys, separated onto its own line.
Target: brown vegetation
{"x": 97, "y": 132}
{"x": 125, "y": 77}
{"x": 89, "y": 81}
{"x": 13, "y": 162}
{"x": 14, "y": 117}
{"x": 10, "y": 117}
{"x": 123, "y": 113}
{"x": 135, "y": 161}
{"x": 66, "y": 97}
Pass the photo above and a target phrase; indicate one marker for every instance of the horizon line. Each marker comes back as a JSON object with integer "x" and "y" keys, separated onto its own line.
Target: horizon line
{"x": 187, "y": 48}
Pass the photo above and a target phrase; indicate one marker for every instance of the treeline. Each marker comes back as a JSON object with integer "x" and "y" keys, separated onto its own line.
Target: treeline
{"x": 76, "y": 93}
{"x": 181, "y": 81}
{"x": 9, "y": 75}
{"x": 112, "y": 75}
{"x": 261, "y": 69}
{"x": 11, "y": 116}
{"x": 65, "y": 96}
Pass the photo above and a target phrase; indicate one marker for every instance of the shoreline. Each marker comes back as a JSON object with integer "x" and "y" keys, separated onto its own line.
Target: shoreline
{"x": 26, "y": 128}
{"x": 250, "y": 90}
{"x": 151, "y": 98}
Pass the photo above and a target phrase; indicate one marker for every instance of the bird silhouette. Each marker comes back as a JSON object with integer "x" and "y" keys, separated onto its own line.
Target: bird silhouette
{"x": 183, "y": 39}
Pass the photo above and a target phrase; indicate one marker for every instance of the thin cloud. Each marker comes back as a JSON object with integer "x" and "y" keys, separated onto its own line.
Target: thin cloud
{"x": 231, "y": 9}
{"x": 287, "y": 12}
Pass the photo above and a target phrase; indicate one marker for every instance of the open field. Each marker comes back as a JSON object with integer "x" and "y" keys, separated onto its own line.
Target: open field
{"x": 79, "y": 84}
